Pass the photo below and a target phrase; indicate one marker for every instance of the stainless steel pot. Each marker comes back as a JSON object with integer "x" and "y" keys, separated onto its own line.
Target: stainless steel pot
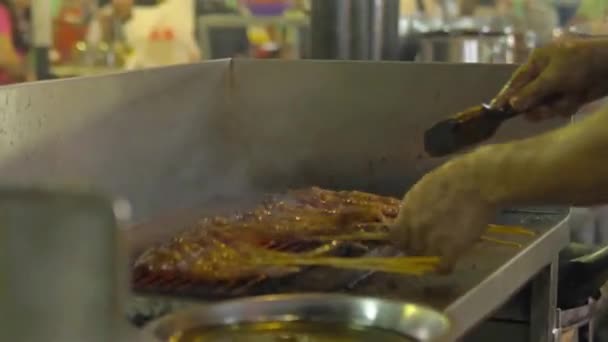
{"x": 464, "y": 47}
{"x": 303, "y": 317}
{"x": 476, "y": 46}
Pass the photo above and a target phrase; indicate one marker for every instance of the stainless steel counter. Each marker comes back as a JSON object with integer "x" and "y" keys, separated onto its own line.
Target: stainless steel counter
{"x": 488, "y": 276}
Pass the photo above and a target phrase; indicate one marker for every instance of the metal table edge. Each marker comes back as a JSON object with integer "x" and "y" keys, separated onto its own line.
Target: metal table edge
{"x": 480, "y": 301}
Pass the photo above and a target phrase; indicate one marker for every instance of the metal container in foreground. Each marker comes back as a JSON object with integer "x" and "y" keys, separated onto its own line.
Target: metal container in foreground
{"x": 303, "y": 317}
{"x": 61, "y": 271}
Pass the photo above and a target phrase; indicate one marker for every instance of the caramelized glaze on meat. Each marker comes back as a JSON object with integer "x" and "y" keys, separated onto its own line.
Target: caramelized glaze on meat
{"x": 210, "y": 251}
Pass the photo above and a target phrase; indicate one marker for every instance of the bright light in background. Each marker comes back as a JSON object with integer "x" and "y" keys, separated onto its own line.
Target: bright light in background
{"x": 470, "y": 51}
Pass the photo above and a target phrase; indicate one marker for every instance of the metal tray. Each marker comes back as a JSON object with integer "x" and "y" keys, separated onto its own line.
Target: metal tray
{"x": 304, "y": 317}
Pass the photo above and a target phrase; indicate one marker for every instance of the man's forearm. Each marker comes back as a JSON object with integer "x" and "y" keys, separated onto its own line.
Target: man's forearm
{"x": 567, "y": 166}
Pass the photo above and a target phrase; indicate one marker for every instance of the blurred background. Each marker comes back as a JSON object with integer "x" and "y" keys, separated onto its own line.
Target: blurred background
{"x": 43, "y": 39}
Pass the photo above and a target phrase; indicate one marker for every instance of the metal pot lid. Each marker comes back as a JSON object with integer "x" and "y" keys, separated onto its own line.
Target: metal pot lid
{"x": 303, "y": 318}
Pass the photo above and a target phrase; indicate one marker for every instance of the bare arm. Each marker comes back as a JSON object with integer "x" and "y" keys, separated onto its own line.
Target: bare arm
{"x": 568, "y": 166}
{"x": 448, "y": 209}
{"x": 446, "y": 212}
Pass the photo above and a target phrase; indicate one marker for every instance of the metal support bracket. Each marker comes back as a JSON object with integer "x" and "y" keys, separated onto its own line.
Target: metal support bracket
{"x": 544, "y": 304}
{"x": 569, "y": 323}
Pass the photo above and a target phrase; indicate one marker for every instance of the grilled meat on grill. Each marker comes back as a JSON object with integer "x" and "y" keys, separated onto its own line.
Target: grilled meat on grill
{"x": 208, "y": 251}
{"x": 241, "y": 246}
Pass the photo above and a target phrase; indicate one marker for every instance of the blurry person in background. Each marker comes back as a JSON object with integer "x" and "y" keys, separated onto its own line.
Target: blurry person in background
{"x": 70, "y": 21}
{"x": 14, "y": 41}
{"x": 107, "y": 23}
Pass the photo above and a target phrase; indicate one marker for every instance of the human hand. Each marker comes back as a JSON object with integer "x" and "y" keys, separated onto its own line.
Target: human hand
{"x": 558, "y": 79}
{"x": 444, "y": 214}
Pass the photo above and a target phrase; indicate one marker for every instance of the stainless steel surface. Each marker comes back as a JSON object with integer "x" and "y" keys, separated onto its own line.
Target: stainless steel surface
{"x": 391, "y": 44}
{"x": 470, "y": 40}
{"x": 410, "y": 320}
{"x": 343, "y": 27}
{"x": 139, "y": 137}
{"x": 483, "y": 280}
{"x": 377, "y": 29}
{"x": 173, "y": 138}
{"x": 62, "y": 276}
{"x": 179, "y": 137}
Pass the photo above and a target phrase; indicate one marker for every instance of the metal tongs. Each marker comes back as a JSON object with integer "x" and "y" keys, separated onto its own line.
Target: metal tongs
{"x": 465, "y": 129}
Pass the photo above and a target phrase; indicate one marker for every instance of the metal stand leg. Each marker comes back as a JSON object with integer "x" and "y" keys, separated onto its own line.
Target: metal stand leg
{"x": 572, "y": 322}
{"x": 591, "y": 330}
{"x": 544, "y": 304}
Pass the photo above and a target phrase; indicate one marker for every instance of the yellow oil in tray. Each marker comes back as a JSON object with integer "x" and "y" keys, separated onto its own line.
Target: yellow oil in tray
{"x": 288, "y": 332}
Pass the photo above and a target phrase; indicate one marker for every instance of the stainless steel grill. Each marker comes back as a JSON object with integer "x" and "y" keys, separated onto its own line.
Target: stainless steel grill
{"x": 178, "y": 137}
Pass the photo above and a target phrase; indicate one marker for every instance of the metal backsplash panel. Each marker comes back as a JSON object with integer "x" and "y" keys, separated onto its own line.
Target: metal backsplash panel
{"x": 352, "y": 124}
{"x": 145, "y": 135}
{"x": 175, "y": 137}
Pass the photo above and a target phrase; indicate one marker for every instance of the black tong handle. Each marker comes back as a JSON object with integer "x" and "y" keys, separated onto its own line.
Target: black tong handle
{"x": 465, "y": 129}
